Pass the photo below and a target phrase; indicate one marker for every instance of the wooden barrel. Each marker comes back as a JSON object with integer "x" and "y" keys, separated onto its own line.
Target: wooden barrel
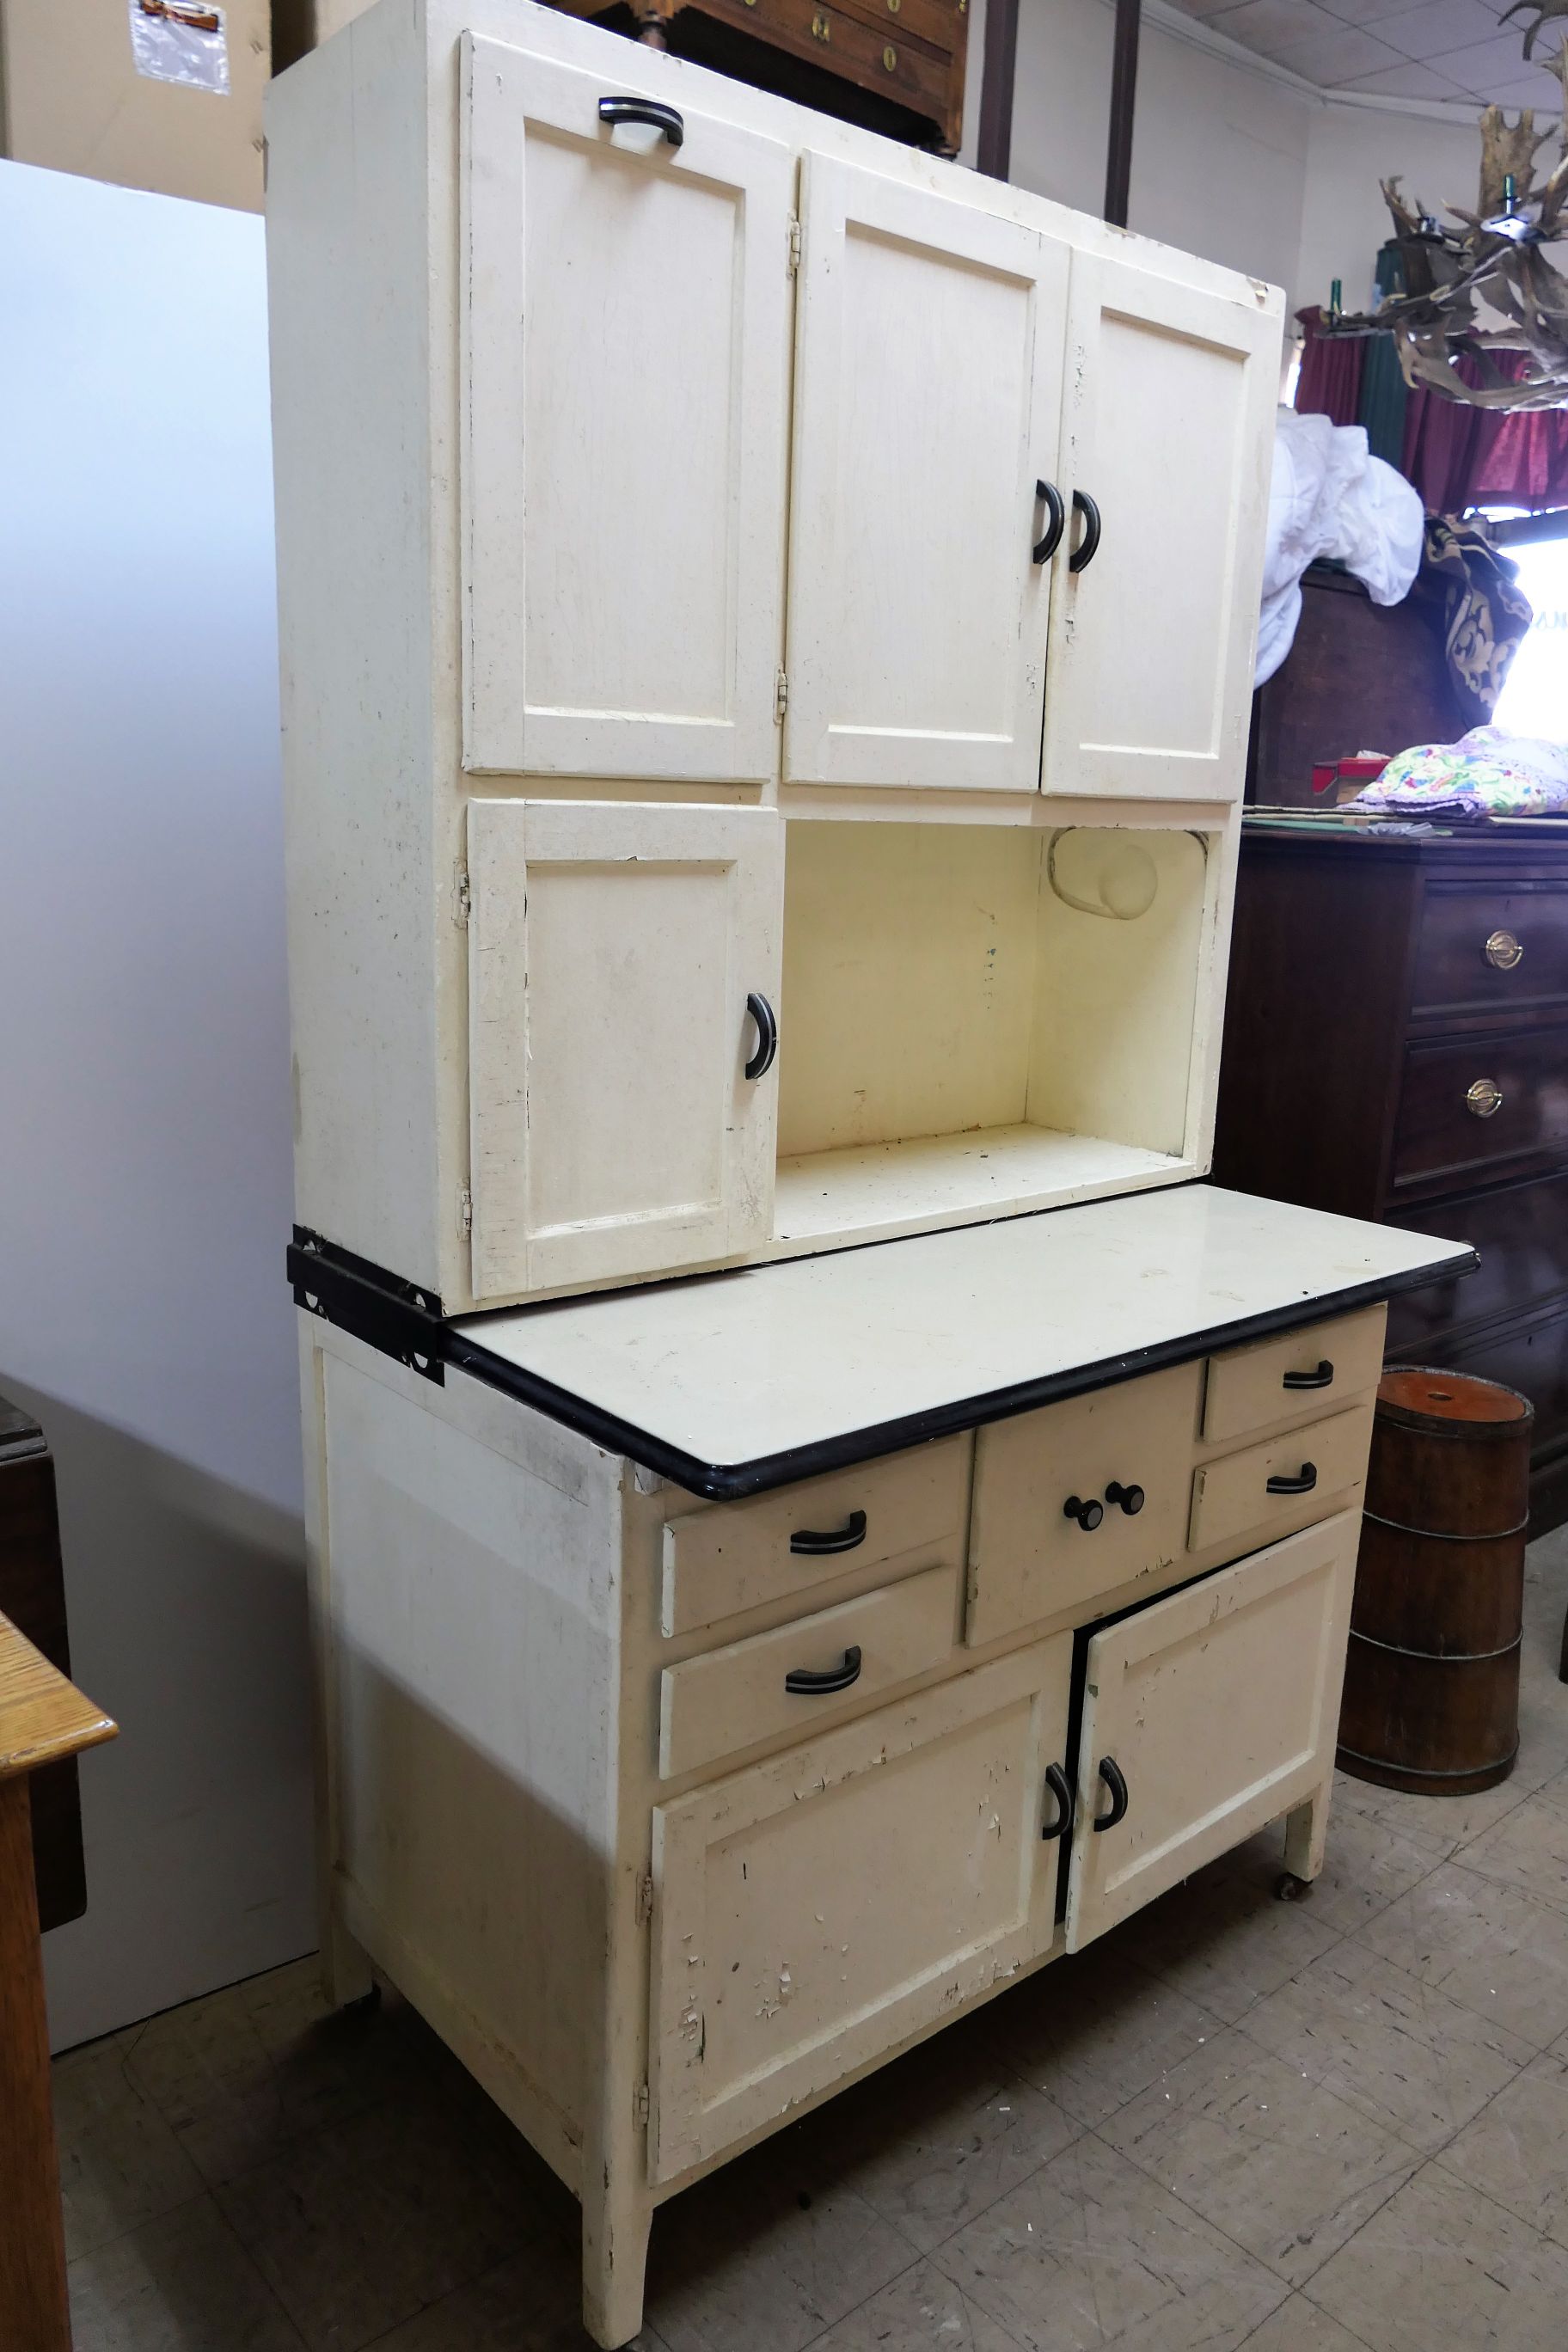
{"x": 1431, "y": 1699}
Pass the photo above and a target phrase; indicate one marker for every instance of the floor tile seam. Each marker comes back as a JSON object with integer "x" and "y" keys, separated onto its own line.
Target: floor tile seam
{"x": 102, "y": 2246}
{"x": 917, "y": 2258}
{"x": 1463, "y": 2180}
{"x": 1537, "y": 2049}
{"x": 1332, "y": 2316}
{"x": 271, "y": 2293}
{"x": 1079, "y": 2131}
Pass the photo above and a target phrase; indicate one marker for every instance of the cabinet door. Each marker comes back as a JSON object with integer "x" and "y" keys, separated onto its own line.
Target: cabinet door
{"x": 611, "y": 950}
{"x": 1219, "y": 1707}
{"x": 928, "y": 393}
{"x": 1166, "y": 429}
{"x": 813, "y": 1912}
{"x": 624, "y": 404}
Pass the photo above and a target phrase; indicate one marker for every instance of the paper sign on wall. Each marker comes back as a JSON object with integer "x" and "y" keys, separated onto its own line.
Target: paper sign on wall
{"x": 180, "y": 40}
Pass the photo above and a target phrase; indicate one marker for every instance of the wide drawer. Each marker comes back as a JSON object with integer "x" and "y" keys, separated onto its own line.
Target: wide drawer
{"x": 887, "y": 60}
{"x": 739, "y": 1556}
{"x": 1485, "y": 950}
{"x": 1255, "y": 1387}
{"x": 1520, "y": 1232}
{"x": 1255, "y": 1493}
{"x": 728, "y": 1699}
{"x": 1475, "y": 1102}
{"x": 936, "y": 21}
{"x": 1029, "y": 1559}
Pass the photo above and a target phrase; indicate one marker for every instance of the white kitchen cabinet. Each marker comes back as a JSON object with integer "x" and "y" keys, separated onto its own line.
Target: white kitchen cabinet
{"x": 626, "y": 399}
{"x": 1166, "y": 452}
{"x": 624, "y": 962}
{"x": 929, "y": 342}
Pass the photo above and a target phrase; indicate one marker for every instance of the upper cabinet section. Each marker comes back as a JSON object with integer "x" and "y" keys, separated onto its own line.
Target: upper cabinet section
{"x": 626, "y": 349}
{"x": 1154, "y": 611}
{"x": 927, "y": 396}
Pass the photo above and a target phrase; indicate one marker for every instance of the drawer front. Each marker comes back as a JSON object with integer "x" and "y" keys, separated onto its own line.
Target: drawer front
{"x": 937, "y": 22}
{"x": 735, "y": 1697}
{"x": 1258, "y": 1387}
{"x": 1475, "y": 1102}
{"x": 1488, "y": 951}
{"x": 1232, "y": 1501}
{"x": 1029, "y": 1560}
{"x": 917, "y": 77}
{"x": 1521, "y": 1234}
{"x": 739, "y": 1556}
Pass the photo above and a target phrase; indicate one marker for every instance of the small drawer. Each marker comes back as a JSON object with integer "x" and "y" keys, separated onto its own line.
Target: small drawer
{"x": 1479, "y": 950}
{"x": 729, "y": 1699}
{"x": 1254, "y": 1388}
{"x": 936, "y": 21}
{"x": 1478, "y": 1103}
{"x": 876, "y": 55}
{"x": 1284, "y": 1481}
{"x": 1029, "y": 1559}
{"x": 739, "y": 1556}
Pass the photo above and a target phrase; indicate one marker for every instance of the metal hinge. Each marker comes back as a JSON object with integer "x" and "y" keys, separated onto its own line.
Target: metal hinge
{"x": 781, "y": 698}
{"x": 644, "y": 1899}
{"x": 465, "y": 896}
{"x": 466, "y": 1215}
{"x": 642, "y": 2106}
{"x": 793, "y": 244}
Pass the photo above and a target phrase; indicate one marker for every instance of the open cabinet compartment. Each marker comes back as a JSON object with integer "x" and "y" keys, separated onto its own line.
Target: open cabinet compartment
{"x": 977, "y": 1019}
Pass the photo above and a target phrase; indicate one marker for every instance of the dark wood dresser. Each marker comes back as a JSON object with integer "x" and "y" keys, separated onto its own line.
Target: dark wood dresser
{"x": 32, "y": 1595}
{"x": 1396, "y": 1047}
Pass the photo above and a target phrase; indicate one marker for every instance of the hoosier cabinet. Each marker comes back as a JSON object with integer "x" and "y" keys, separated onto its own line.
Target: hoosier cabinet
{"x": 767, "y": 626}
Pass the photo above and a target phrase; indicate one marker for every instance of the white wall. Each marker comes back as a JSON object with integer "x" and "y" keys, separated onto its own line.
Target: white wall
{"x": 144, "y": 1138}
{"x": 1344, "y": 219}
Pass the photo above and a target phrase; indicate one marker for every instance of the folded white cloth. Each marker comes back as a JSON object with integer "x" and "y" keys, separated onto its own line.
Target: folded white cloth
{"x": 1328, "y": 496}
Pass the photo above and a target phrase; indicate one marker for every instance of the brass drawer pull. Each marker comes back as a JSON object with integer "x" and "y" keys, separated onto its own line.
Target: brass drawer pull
{"x": 890, "y": 58}
{"x": 1484, "y": 1098}
{"x": 1502, "y": 951}
{"x": 821, "y": 30}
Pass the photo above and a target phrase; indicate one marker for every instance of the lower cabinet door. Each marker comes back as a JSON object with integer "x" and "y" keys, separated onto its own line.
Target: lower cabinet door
{"x": 1205, "y": 1716}
{"x": 813, "y": 1912}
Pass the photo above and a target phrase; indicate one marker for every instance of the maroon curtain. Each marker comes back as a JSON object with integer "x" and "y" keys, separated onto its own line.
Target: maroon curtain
{"x": 1459, "y": 456}
{"x": 1329, "y": 382}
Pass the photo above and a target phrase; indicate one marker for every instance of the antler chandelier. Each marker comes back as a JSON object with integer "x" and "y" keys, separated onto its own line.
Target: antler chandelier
{"x": 1486, "y": 285}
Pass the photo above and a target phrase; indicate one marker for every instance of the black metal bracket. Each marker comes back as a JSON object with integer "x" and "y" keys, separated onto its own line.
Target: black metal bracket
{"x": 396, "y": 1317}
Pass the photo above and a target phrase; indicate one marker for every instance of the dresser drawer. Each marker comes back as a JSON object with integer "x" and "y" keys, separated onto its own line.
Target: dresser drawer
{"x": 1521, "y": 1233}
{"x": 936, "y": 21}
{"x": 1486, "y": 950}
{"x": 1029, "y": 1560}
{"x": 739, "y": 1556}
{"x": 878, "y": 58}
{"x": 1475, "y": 1102}
{"x": 1256, "y": 1387}
{"x": 729, "y": 1699}
{"x": 1315, "y": 1468}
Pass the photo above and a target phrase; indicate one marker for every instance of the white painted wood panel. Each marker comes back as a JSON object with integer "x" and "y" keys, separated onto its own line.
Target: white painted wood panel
{"x": 1253, "y": 1388}
{"x": 713, "y": 1705}
{"x": 1231, "y": 1501}
{"x": 1220, "y": 1706}
{"x": 626, "y": 345}
{"x": 613, "y": 946}
{"x": 812, "y": 1912}
{"x": 1169, "y": 394}
{"x": 734, "y": 1557}
{"x": 928, "y": 393}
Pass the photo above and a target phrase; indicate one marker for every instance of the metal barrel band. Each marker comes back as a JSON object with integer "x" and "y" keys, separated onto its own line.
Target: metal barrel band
{"x": 1439, "y": 1657}
{"x": 1436, "y": 1535}
{"x": 1422, "y": 1772}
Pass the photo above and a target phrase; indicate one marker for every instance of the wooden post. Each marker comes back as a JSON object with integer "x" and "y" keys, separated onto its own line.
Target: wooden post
{"x": 1124, "y": 96}
{"x": 994, "y": 146}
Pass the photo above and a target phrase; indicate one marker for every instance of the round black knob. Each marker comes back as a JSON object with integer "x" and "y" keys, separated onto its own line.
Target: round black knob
{"x": 1130, "y": 1497}
{"x": 1087, "y": 1515}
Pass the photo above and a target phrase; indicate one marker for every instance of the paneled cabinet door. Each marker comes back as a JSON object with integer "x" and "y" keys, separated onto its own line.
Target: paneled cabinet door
{"x": 814, "y": 1911}
{"x": 1166, "y": 443}
{"x": 612, "y": 948}
{"x": 1215, "y": 1711}
{"x": 625, "y": 395}
{"x": 928, "y": 393}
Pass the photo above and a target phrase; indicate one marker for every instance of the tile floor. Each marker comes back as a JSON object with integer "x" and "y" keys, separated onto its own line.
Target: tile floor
{"x": 1336, "y": 2127}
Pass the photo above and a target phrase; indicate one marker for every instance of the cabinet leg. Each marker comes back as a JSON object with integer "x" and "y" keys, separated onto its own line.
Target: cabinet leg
{"x": 1306, "y": 1837}
{"x": 346, "y": 1975}
{"x": 616, "y": 2225}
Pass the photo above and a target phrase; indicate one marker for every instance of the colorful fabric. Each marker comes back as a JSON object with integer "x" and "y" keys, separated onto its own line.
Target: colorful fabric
{"x": 1486, "y": 773}
{"x": 1485, "y": 612}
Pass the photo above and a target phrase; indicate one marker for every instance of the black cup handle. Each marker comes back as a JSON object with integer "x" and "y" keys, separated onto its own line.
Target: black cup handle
{"x": 802, "y": 1682}
{"x": 1055, "y": 516}
{"x": 1083, "y": 555}
{"x": 1286, "y": 1485}
{"x": 644, "y": 109}
{"x": 1057, "y": 1783}
{"x": 817, "y": 1541}
{"x": 1111, "y": 1773}
{"x": 762, "y": 1014}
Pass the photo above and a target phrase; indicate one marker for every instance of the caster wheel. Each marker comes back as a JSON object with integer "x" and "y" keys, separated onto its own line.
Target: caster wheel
{"x": 1289, "y": 1888}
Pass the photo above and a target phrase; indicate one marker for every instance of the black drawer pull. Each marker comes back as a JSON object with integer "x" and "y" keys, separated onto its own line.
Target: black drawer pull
{"x": 1131, "y": 1498}
{"x": 801, "y": 1682}
{"x": 762, "y": 1014}
{"x": 1303, "y": 1484}
{"x": 1057, "y": 1783}
{"x": 1083, "y": 555}
{"x": 1087, "y": 1515}
{"x": 1111, "y": 1773}
{"x": 644, "y": 109}
{"x": 1056, "y": 515}
{"x": 1318, "y": 1379}
{"x": 817, "y": 1541}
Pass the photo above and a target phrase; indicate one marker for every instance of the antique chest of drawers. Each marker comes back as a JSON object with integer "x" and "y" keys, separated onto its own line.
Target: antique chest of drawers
{"x": 1396, "y": 1046}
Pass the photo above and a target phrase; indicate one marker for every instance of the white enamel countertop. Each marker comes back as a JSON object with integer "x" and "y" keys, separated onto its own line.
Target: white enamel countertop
{"x": 733, "y": 1370}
